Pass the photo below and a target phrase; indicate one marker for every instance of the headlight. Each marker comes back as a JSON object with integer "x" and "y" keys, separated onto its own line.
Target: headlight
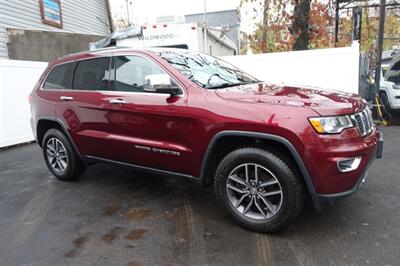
{"x": 396, "y": 87}
{"x": 331, "y": 125}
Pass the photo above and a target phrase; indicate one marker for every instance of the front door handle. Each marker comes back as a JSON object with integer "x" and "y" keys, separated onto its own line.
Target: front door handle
{"x": 66, "y": 98}
{"x": 117, "y": 101}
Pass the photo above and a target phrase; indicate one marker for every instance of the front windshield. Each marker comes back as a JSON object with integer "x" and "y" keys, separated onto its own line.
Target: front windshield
{"x": 206, "y": 71}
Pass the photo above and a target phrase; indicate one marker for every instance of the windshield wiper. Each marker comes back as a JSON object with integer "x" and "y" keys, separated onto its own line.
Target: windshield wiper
{"x": 226, "y": 85}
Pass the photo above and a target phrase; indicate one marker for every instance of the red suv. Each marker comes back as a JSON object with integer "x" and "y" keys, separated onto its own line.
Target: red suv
{"x": 264, "y": 148}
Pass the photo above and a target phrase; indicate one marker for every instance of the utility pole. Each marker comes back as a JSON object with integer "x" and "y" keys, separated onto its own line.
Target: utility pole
{"x": 128, "y": 13}
{"x": 336, "y": 21}
{"x": 205, "y": 26}
{"x": 109, "y": 16}
{"x": 379, "y": 45}
{"x": 132, "y": 13}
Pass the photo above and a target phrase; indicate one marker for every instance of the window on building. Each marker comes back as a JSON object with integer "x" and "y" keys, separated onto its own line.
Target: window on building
{"x": 92, "y": 74}
{"x": 51, "y": 12}
{"x": 60, "y": 78}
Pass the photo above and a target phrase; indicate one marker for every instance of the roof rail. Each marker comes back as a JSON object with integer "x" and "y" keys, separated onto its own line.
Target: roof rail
{"x": 109, "y": 48}
{"x": 97, "y": 50}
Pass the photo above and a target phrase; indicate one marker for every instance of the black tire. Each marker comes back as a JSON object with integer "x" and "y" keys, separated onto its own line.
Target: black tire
{"x": 385, "y": 101}
{"x": 74, "y": 166}
{"x": 292, "y": 189}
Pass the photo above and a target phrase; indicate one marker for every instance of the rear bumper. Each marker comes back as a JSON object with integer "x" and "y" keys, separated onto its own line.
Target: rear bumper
{"x": 329, "y": 198}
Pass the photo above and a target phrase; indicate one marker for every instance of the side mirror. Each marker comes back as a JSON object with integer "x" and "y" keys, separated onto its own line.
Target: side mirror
{"x": 160, "y": 83}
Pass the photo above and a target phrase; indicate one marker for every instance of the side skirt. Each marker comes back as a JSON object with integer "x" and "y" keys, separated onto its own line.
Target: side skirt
{"x": 92, "y": 159}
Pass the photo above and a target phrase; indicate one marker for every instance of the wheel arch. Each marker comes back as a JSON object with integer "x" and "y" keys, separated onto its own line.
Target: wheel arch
{"x": 45, "y": 123}
{"x": 210, "y": 159}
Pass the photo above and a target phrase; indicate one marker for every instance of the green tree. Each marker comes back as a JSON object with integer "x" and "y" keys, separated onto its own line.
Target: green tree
{"x": 369, "y": 30}
{"x": 283, "y": 28}
{"x": 320, "y": 26}
{"x": 304, "y": 24}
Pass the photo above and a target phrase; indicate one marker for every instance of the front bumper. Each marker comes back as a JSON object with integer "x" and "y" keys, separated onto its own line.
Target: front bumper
{"x": 323, "y": 198}
{"x": 394, "y": 99}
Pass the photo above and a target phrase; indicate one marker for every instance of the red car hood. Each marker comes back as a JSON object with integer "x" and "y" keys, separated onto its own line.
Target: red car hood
{"x": 323, "y": 102}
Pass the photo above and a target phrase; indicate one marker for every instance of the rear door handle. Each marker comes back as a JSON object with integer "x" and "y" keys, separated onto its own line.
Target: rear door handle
{"x": 117, "y": 101}
{"x": 66, "y": 98}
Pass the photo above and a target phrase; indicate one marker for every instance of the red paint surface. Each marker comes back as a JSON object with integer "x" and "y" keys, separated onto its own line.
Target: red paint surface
{"x": 187, "y": 124}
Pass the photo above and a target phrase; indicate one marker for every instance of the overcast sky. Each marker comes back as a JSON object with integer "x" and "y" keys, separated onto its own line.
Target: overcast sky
{"x": 148, "y": 10}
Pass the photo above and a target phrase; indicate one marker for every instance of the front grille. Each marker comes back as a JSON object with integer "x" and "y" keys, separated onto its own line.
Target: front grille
{"x": 363, "y": 121}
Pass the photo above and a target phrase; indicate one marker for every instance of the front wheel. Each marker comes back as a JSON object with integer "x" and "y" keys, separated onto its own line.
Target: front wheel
{"x": 60, "y": 157}
{"x": 258, "y": 189}
{"x": 385, "y": 101}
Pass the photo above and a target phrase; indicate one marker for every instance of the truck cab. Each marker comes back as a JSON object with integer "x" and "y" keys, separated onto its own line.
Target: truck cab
{"x": 390, "y": 85}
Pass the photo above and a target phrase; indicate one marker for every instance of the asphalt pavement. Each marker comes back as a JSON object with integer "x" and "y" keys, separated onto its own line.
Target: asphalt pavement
{"x": 114, "y": 216}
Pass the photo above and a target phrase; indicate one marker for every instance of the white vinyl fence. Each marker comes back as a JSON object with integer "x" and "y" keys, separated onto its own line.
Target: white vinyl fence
{"x": 327, "y": 69}
{"x": 330, "y": 69}
{"x": 17, "y": 79}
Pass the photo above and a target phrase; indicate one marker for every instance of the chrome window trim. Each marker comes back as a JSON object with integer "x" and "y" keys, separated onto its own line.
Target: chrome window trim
{"x": 111, "y": 92}
{"x": 108, "y": 91}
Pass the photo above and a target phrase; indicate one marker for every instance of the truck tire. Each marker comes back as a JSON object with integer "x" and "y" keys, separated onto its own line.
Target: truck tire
{"x": 60, "y": 157}
{"x": 385, "y": 101}
{"x": 258, "y": 189}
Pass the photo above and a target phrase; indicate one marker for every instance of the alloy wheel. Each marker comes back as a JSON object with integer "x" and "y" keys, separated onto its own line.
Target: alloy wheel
{"x": 254, "y": 191}
{"x": 56, "y": 155}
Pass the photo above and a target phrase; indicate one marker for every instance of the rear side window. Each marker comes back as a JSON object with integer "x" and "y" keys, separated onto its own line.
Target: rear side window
{"x": 60, "y": 77}
{"x": 92, "y": 74}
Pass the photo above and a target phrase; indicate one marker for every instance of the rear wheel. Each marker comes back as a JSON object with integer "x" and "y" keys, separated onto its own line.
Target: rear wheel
{"x": 60, "y": 157}
{"x": 258, "y": 189}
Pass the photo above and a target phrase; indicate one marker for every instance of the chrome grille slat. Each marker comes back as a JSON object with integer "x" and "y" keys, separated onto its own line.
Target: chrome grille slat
{"x": 368, "y": 126}
{"x": 360, "y": 123}
{"x": 363, "y": 121}
{"x": 371, "y": 122}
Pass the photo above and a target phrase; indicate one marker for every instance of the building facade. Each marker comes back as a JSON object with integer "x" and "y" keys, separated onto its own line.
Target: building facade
{"x": 49, "y": 27}
{"x": 228, "y": 20}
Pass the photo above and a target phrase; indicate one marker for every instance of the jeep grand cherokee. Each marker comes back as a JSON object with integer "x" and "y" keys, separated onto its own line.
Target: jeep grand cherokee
{"x": 264, "y": 148}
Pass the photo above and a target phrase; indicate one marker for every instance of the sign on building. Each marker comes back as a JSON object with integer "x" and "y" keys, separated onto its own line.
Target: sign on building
{"x": 51, "y": 12}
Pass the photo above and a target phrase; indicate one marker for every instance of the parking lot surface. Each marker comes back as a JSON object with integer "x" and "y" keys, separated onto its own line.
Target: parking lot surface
{"x": 115, "y": 216}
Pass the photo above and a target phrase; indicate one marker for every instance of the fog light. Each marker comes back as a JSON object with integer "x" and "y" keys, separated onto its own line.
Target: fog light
{"x": 348, "y": 165}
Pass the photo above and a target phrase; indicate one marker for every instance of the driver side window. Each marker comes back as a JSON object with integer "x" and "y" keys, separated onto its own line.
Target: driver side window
{"x": 131, "y": 71}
